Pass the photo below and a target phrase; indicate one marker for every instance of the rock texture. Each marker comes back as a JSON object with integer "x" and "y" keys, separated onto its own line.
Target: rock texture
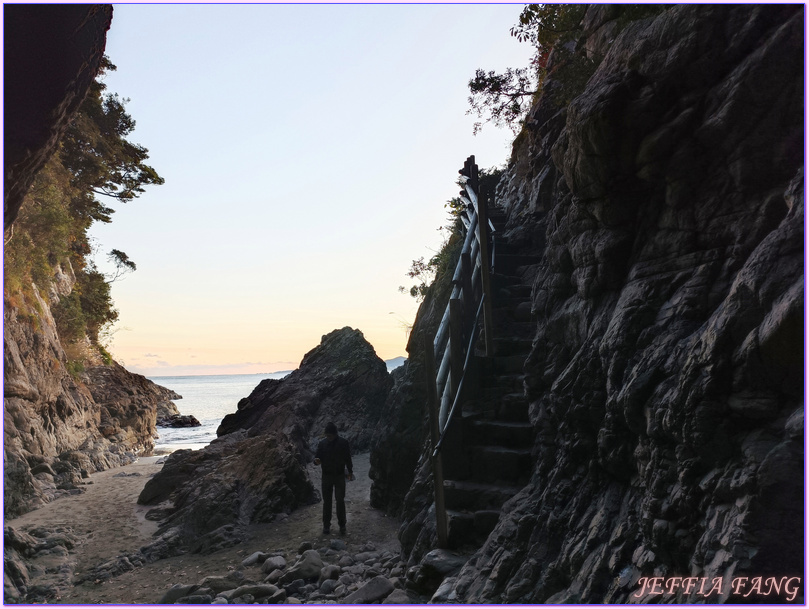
{"x": 665, "y": 381}
{"x": 255, "y": 469}
{"x": 51, "y": 56}
{"x": 333, "y": 573}
{"x": 59, "y": 427}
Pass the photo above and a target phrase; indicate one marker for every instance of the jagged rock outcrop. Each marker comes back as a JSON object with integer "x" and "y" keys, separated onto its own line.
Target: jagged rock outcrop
{"x": 51, "y": 56}
{"x": 255, "y": 469}
{"x": 341, "y": 380}
{"x": 665, "y": 381}
{"x": 60, "y": 427}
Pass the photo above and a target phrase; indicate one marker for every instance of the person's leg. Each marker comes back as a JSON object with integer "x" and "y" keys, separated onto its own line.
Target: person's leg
{"x": 340, "y": 496}
{"x": 326, "y": 487}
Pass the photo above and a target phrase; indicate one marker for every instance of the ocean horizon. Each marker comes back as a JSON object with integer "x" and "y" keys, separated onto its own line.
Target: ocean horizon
{"x": 210, "y": 397}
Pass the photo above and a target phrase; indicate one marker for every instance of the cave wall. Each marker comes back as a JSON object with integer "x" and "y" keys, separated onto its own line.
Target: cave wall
{"x": 666, "y": 377}
{"x": 51, "y": 53}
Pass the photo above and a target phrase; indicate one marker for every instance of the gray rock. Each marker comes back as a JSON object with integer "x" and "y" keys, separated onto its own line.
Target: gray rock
{"x": 337, "y": 544}
{"x": 194, "y": 599}
{"x": 445, "y": 593}
{"x": 366, "y": 556}
{"x": 175, "y": 592}
{"x": 373, "y": 591}
{"x": 328, "y": 586}
{"x": 345, "y": 561}
{"x": 443, "y": 562}
{"x": 399, "y": 597}
{"x": 274, "y": 563}
{"x": 274, "y": 577}
{"x": 256, "y": 590}
{"x": 307, "y": 567}
{"x": 219, "y": 584}
{"x": 295, "y": 587}
{"x": 254, "y": 558}
{"x": 330, "y": 572}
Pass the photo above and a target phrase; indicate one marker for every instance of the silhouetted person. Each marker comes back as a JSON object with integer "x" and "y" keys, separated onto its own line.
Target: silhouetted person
{"x": 334, "y": 457}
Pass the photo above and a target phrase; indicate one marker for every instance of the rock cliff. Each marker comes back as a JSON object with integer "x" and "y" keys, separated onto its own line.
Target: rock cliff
{"x": 59, "y": 426}
{"x": 665, "y": 198}
{"x": 255, "y": 469}
{"x": 60, "y": 423}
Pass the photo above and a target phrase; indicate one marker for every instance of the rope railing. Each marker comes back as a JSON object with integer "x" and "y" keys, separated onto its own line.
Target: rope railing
{"x": 454, "y": 341}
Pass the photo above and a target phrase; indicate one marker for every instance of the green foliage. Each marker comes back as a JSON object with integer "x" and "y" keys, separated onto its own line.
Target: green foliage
{"x": 75, "y": 367}
{"x": 425, "y": 273}
{"x": 94, "y": 159}
{"x": 100, "y": 158}
{"x": 504, "y": 97}
{"x": 428, "y": 273}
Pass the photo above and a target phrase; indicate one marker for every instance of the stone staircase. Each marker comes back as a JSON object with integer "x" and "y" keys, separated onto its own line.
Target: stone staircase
{"x": 488, "y": 456}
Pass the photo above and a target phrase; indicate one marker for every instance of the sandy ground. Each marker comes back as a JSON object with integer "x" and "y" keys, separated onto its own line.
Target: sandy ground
{"x": 110, "y": 523}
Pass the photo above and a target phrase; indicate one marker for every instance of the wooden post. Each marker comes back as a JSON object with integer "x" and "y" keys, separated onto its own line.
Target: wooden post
{"x": 456, "y": 346}
{"x": 483, "y": 235}
{"x": 435, "y": 435}
{"x": 466, "y": 285}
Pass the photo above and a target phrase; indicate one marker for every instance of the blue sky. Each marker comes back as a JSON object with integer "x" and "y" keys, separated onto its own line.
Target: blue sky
{"x": 308, "y": 151}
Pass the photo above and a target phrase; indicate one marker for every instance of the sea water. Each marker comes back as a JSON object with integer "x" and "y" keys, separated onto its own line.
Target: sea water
{"x": 209, "y": 398}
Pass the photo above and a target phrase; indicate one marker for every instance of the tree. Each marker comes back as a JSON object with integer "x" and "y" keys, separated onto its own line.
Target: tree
{"x": 100, "y": 158}
{"x": 554, "y": 31}
{"x": 95, "y": 164}
{"x": 504, "y": 99}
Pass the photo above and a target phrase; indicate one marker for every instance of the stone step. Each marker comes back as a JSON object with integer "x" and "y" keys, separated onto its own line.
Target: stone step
{"x": 513, "y": 345}
{"x": 496, "y": 464}
{"x": 510, "y": 264}
{"x": 513, "y": 434}
{"x": 516, "y": 290}
{"x": 501, "y": 280}
{"x": 502, "y": 364}
{"x": 505, "y": 301}
{"x": 495, "y": 386}
{"x": 470, "y": 528}
{"x": 512, "y": 407}
{"x": 471, "y": 496}
{"x": 507, "y": 325}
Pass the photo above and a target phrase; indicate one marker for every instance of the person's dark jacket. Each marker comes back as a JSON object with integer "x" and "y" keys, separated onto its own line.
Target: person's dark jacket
{"x": 335, "y": 456}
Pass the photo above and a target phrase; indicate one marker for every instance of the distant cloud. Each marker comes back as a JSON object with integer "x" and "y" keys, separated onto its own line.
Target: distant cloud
{"x": 150, "y": 355}
{"x": 162, "y": 363}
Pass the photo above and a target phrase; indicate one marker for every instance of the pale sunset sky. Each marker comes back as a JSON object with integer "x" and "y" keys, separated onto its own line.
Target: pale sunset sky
{"x": 308, "y": 151}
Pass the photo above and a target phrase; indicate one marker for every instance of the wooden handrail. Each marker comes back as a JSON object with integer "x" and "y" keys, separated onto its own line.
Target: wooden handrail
{"x": 455, "y": 338}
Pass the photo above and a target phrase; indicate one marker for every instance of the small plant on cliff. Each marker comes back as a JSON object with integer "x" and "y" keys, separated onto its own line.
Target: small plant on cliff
{"x": 445, "y": 260}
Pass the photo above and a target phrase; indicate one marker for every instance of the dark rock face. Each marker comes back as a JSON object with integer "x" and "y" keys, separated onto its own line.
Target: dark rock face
{"x": 665, "y": 380}
{"x": 341, "y": 380}
{"x": 255, "y": 469}
{"x": 51, "y": 56}
{"x": 57, "y": 428}
{"x": 178, "y": 420}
